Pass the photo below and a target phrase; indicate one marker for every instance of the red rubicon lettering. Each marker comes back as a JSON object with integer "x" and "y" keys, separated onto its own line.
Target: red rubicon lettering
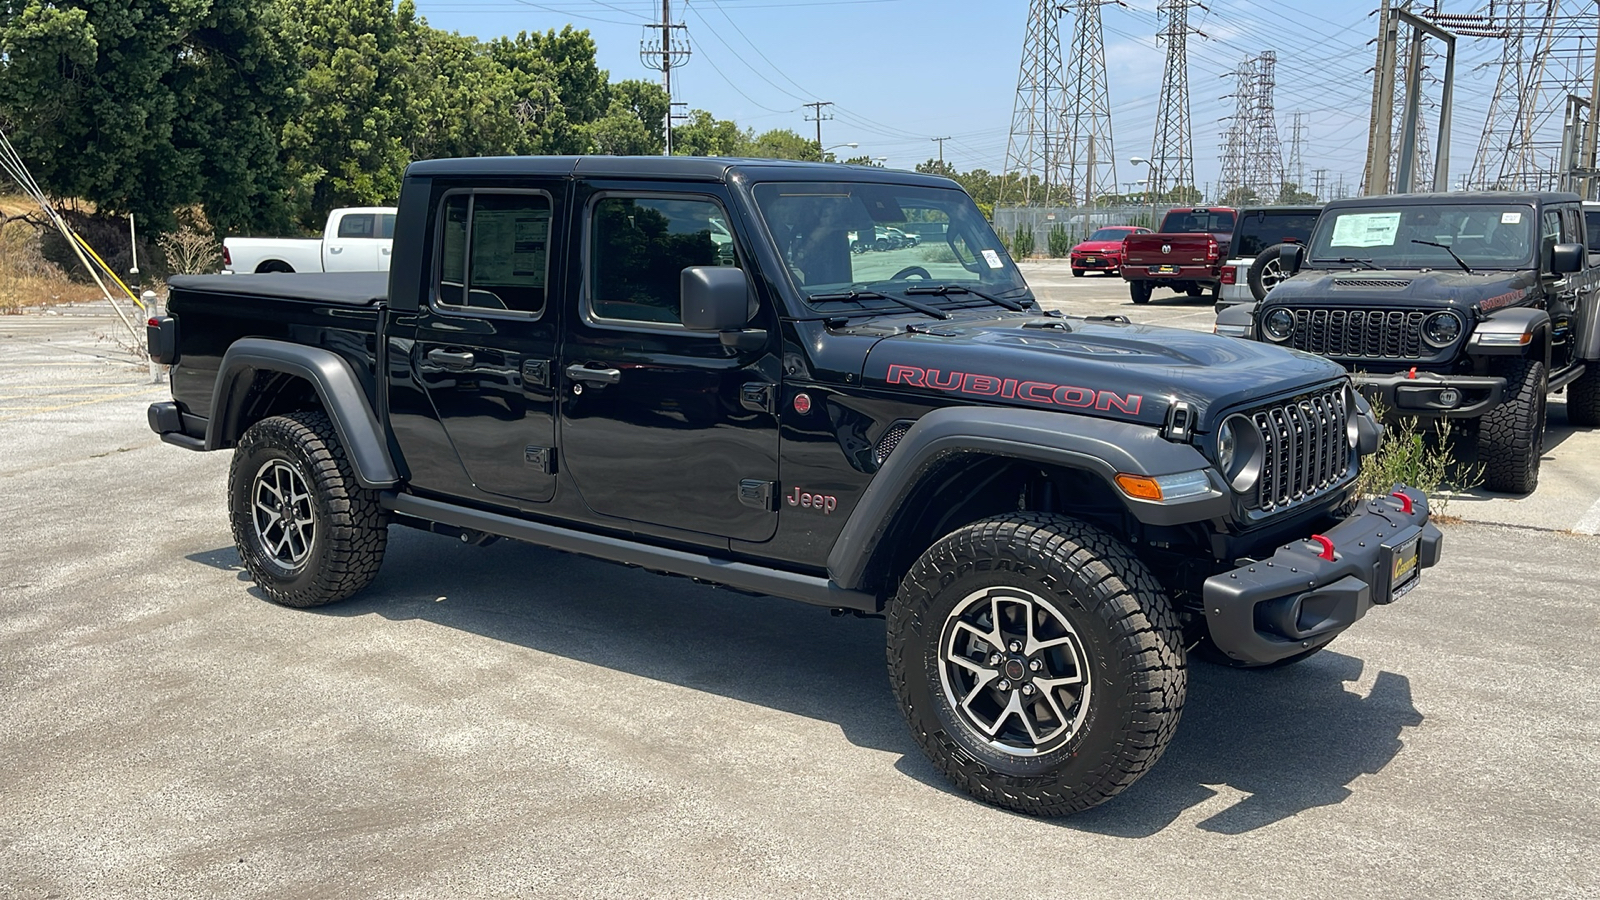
{"x": 978, "y": 385}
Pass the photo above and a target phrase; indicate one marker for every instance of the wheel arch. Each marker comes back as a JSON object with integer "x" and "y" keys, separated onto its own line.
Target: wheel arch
{"x": 961, "y": 464}
{"x": 260, "y": 378}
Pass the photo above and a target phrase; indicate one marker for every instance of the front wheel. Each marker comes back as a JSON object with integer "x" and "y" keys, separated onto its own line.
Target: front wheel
{"x": 305, "y": 528}
{"x": 1037, "y": 662}
{"x": 1511, "y": 436}
{"x": 1140, "y": 291}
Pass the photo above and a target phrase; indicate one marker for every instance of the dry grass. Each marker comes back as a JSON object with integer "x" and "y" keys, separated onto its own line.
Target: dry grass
{"x": 27, "y": 279}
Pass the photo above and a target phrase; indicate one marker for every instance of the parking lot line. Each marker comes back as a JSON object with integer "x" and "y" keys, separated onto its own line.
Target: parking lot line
{"x": 35, "y": 410}
{"x": 1590, "y": 522}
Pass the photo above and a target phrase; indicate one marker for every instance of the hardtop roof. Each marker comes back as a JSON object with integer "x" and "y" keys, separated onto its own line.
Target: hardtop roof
{"x": 1449, "y": 198}
{"x": 687, "y": 168}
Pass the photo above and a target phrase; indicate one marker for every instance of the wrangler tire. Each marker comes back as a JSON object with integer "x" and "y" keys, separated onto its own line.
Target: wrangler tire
{"x": 1140, "y": 291}
{"x": 1511, "y": 435}
{"x": 305, "y": 528}
{"x": 1037, "y": 661}
{"x": 1583, "y": 398}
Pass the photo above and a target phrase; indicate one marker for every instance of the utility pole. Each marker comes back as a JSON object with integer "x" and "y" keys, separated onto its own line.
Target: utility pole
{"x": 1296, "y": 163}
{"x": 1321, "y": 176}
{"x": 940, "y": 141}
{"x": 1172, "y": 150}
{"x": 1380, "y": 126}
{"x": 1591, "y": 139}
{"x": 665, "y": 47}
{"x": 817, "y": 117}
{"x": 1035, "y": 115}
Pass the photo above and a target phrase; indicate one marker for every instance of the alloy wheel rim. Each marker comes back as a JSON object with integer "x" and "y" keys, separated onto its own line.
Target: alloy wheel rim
{"x": 282, "y": 513}
{"x": 1271, "y": 274}
{"x": 1014, "y": 671}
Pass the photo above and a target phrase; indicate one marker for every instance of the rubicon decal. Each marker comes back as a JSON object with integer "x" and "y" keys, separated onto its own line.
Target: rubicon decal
{"x": 978, "y": 385}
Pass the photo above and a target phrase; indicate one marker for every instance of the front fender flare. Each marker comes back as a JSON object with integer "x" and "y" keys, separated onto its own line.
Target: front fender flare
{"x": 1510, "y": 325}
{"x": 336, "y": 385}
{"x": 1102, "y": 447}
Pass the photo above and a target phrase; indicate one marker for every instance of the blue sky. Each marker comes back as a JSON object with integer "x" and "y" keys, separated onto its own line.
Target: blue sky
{"x": 904, "y": 71}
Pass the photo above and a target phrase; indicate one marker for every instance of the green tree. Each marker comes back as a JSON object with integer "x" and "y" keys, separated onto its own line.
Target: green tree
{"x": 706, "y": 135}
{"x": 634, "y": 122}
{"x": 461, "y": 102}
{"x": 863, "y": 161}
{"x": 1237, "y": 197}
{"x": 1291, "y": 195}
{"x": 782, "y": 143}
{"x": 559, "y": 86}
{"x": 144, "y": 106}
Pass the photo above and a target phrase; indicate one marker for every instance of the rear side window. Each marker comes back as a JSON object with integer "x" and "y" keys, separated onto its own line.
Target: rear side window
{"x": 386, "y": 226}
{"x": 359, "y": 225}
{"x": 639, "y": 246}
{"x": 1591, "y": 223}
{"x": 1258, "y": 231}
{"x": 494, "y": 252}
{"x": 1201, "y": 221}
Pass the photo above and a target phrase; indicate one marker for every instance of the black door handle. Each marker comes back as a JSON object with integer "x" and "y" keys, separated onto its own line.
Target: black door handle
{"x": 451, "y": 360}
{"x": 603, "y": 376}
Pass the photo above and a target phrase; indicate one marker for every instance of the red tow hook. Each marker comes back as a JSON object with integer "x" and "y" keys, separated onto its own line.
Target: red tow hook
{"x": 1405, "y": 501}
{"x": 1327, "y": 547}
{"x": 1412, "y": 373}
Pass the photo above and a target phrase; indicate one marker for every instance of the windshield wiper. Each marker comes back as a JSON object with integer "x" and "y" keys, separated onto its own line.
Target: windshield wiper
{"x": 859, "y": 295}
{"x": 947, "y": 289}
{"x": 1351, "y": 259}
{"x": 1446, "y": 248}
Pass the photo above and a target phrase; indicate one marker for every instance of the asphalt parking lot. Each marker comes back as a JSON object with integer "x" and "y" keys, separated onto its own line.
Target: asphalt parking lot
{"x": 513, "y": 722}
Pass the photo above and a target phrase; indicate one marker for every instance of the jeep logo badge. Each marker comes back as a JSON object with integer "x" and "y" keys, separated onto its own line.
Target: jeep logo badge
{"x": 1166, "y": 248}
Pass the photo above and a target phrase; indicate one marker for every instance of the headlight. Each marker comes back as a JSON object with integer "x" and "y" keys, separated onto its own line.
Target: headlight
{"x": 1278, "y": 324}
{"x": 1239, "y": 453}
{"x": 1352, "y": 417}
{"x": 1441, "y": 329}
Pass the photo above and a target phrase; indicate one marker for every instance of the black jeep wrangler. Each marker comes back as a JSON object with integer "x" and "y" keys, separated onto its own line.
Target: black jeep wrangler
{"x": 680, "y": 364}
{"x": 1471, "y": 306}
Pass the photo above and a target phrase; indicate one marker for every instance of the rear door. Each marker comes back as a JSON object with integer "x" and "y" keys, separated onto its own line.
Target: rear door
{"x": 661, "y": 425}
{"x": 351, "y": 242}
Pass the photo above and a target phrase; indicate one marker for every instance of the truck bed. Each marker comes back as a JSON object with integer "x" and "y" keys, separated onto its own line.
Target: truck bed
{"x": 339, "y": 288}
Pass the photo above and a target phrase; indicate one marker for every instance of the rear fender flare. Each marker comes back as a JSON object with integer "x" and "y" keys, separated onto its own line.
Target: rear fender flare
{"x": 336, "y": 385}
{"x": 1100, "y": 447}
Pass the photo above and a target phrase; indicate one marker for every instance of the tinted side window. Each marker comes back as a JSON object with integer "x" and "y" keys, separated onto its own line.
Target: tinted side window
{"x": 356, "y": 225}
{"x": 1549, "y": 235}
{"x": 493, "y": 251}
{"x": 1592, "y": 224}
{"x": 638, "y": 246}
{"x": 386, "y": 226}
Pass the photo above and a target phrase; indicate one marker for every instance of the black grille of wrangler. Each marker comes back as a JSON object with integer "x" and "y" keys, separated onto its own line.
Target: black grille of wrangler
{"x": 1306, "y": 448}
{"x": 1360, "y": 333}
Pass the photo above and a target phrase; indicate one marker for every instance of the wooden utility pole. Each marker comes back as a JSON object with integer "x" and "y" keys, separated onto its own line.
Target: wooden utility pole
{"x": 819, "y": 118}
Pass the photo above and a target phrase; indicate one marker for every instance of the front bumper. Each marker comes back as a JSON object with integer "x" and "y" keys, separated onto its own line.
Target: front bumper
{"x": 1096, "y": 261}
{"x": 1297, "y": 599}
{"x": 1428, "y": 394}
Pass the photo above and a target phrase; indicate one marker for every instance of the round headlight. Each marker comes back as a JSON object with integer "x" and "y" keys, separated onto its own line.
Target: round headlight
{"x": 1352, "y": 417}
{"x": 1441, "y": 329}
{"x": 1240, "y": 453}
{"x": 1278, "y": 324}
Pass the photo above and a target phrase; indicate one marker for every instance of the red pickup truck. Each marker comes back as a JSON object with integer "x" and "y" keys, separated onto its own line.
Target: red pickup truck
{"x": 1186, "y": 254}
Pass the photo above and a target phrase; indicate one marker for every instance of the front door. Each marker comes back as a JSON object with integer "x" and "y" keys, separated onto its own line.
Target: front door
{"x": 659, "y": 424}
{"x": 486, "y": 341}
{"x": 353, "y": 244}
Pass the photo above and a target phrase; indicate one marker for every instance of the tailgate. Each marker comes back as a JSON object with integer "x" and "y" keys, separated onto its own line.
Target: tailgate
{"x": 1168, "y": 249}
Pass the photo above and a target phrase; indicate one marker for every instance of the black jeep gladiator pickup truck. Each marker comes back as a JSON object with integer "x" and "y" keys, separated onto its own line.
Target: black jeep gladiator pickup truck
{"x": 1470, "y": 306}
{"x": 679, "y": 364}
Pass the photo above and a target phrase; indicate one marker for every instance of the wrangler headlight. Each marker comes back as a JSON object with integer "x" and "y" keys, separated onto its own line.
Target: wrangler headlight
{"x": 1278, "y": 324}
{"x": 1240, "y": 453}
{"x": 1441, "y": 329}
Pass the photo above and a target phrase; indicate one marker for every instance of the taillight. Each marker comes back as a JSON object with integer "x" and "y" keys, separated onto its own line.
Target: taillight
{"x": 1230, "y": 275}
{"x": 1211, "y": 250}
{"x": 227, "y": 258}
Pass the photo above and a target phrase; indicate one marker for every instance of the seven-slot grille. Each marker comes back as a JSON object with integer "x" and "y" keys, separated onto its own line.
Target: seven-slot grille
{"x": 1306, "y": 449}
{"x": 1361, "y": 333}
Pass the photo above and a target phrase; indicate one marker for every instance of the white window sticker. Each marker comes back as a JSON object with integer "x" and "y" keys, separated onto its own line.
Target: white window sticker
{"x": 1511, "y": 218}
{"x": 993, "y": 259}
{"x": 1365, "y": 229}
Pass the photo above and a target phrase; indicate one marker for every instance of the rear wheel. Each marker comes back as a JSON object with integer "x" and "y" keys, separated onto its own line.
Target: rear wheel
{"x": 1140, "y": 291}
{"x": 1037, "y": 661}
{"x": 1195, "y": 290}
{"x": 305, "y": 528}
{"x": 1266, "y": 271}
{"x": 1583, "y": 398}
{"x": 1511, "y": 436}
{"x": 274, "y": 265}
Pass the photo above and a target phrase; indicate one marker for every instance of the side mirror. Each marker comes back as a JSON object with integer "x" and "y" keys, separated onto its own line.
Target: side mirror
{"x": 1289, "y": 259}
{"x": 1566, "y": 258}
{"x": 714, "y": 298}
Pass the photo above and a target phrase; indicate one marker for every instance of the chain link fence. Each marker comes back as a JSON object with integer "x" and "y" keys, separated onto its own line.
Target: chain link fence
{"x": 1078, "y": 222}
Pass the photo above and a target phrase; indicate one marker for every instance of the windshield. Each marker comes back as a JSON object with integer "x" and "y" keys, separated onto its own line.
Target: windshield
{"x": 837, "y": 237}
{"x": 1484, "y": 236}
{"x": 1259, "y": 230}
{"x": 1591, "y": 224}
{"x": 1197, "y": 221}
{"x": 1111, "y": 234}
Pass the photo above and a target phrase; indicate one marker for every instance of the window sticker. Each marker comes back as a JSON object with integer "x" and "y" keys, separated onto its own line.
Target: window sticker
{"x": 993, "y": 259}
{"x": 1365, "y": 229}
{"x": 1511, "y": 218}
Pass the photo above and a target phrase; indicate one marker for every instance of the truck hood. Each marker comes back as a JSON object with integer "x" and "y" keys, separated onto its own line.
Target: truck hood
{"x": 1408, "y": 288}
{"x": 1089, "y": 367}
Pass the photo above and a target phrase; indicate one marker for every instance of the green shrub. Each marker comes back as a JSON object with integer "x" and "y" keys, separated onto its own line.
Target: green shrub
{"x": 1022, "y": 243}
{"x": 1060, "y": 243}
{"x": 1420, "y": 456}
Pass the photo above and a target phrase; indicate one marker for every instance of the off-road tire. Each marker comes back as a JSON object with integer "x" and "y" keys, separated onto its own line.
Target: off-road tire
{"x": 350, "y": 529}
{"x": 1077, "y": 273}
{"x": 1511, "y": 435}
{"x": 1128, "y": 636}
{"x": 1583, "y": 398}
{"x": 1140, "y": 291}
{"x": 1266, "y": 271}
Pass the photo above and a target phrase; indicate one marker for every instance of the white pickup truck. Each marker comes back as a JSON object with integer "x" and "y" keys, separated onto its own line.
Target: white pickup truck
{"x": 356, "y": 239}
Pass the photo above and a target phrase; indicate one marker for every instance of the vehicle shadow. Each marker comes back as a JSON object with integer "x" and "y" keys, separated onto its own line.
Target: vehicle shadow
{"x": 1291, "y": 740}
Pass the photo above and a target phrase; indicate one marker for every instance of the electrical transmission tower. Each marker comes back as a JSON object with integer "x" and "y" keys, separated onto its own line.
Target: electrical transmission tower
{"x": 1236, "y": 140}
{"x": 1032, "y": 150}
{"x": 1172, "y": 151}
{"x": 1264, "y": 166}
{"x": 1090, "y": 159}
{"x": 664, "y": 48}
{"x": 1296, "y": 165}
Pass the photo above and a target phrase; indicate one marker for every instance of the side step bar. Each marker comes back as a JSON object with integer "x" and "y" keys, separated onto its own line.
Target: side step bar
{"x": 744, "y": 576}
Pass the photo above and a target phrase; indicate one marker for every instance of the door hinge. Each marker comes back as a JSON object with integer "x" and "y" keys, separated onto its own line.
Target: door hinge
{"x": 535, "y": 373}
{"x": 541, "y": 458}
{"x": 758, "y": 494}
{"x": 758, "y": 396}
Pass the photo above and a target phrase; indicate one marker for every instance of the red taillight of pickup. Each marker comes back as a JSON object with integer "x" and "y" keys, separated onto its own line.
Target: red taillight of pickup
{"x": 1230, "y": 275}
{"x": 1213, "y": 252}
{"x": 227, "y": 258}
